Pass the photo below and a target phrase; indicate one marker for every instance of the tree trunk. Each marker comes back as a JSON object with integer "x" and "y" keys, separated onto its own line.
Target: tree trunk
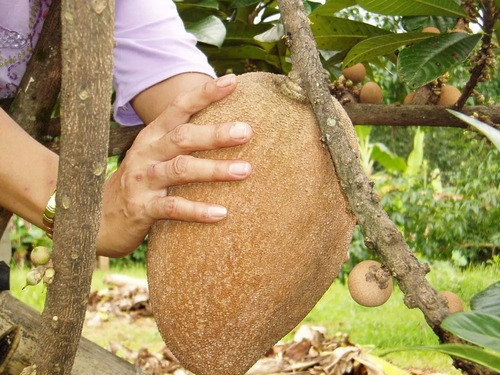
{"x": 379, "y": 231}
{"x": 86, "y": 50}
{"x": 90, "y": 359}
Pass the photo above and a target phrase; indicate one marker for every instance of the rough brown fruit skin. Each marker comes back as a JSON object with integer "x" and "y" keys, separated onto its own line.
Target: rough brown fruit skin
{"x": 224, "y": 293}
{"x": 431, "y": 29}
{"x": 454, "y": 301}
{"x": 409, "y": 97}
{"x": 449, "y": 95}
{"x": 371, "y": 93}
{"x": 367, "y": 292}
{"x": 355, "y": 73}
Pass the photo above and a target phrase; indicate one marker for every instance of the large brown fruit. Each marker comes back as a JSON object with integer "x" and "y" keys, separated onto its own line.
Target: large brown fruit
{"x": 224, "y": 293}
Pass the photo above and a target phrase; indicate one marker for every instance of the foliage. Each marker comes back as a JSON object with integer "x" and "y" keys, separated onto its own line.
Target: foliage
{"x": 480, "y": 327}
{"x": 457, "y": 219}
{"x": 243, "y": 35}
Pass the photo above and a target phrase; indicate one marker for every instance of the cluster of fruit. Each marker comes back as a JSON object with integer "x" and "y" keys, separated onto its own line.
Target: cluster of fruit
{"x": 42, "y": 267}
{"x": 348, "y": 88}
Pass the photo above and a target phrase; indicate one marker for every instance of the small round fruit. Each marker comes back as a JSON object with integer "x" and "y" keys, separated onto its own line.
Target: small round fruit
{"x": 364, "y": 287}
{"x": 371, "y": 93}
{"x": 454, "y": 301}
{"x": 409, "y": 97}
{"x": 355, "y": 73}
{"x": 33, "y": 277}
{"x": 48, "y": 276}
{"x": 449, "y": 95}
{"x": 40, "y": 255}
{"x": 431, "y": 29}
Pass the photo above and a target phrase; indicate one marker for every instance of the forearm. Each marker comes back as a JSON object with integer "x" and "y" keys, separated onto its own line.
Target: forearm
{"x": 151, "y": 102}
{"x": 28, "y": 172}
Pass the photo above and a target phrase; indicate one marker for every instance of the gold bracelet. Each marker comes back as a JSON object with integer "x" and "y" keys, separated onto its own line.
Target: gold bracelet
{"x": 49, "y": 215}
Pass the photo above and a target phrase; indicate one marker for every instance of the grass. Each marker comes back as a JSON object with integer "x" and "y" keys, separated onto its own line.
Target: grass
{"x": 391, "y": 325}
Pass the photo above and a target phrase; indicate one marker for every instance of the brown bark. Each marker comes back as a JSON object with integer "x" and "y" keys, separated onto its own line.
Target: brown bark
{"x": 90, "y": 359}
{"x": 379, "y": 231}
{"x": 121, "y": 139}
{"x": 86, "y": 50}
{"x": 40, "y": 86}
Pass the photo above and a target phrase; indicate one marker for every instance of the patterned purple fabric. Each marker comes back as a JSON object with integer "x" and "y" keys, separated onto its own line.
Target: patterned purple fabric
{"x": 152, "y": 45}
{"x": 21, "y": 22}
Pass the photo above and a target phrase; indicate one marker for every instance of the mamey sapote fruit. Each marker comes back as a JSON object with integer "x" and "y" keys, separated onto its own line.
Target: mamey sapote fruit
{"x": 371, "y": 93}
{"x": 449, "y": 95}
{"x": 368, "y": 285}
{"x": 454, "y": 302}
{"x": 355, "y": 73}
{"x": 223, "y": 294}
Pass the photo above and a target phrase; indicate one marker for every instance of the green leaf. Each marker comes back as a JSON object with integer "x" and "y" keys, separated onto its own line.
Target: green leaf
{"x": 387, "y": 158}
{"x": 490, "y": 132}
{"x": 381, "y": 45}
{"x": 332, "y": 6}
{"x": 470, "y": 353}
{"x": 417, "y": 23}
{"x": 416, "y": 156}
{"x": 431, "y": 58}
{"x": 476, "y": 327}
{"x": 212, "y": 4}
{"x": 337, "y": 34}
{"x": 272, "y": 35}
{"x": 240, "y": 33}
{"x": 242, "y": 53}
{"x": 487, "y": 301}
{"x": 242, "y": 3}
{"x": 413, "y": 7}
{"x": 209, "y": 30}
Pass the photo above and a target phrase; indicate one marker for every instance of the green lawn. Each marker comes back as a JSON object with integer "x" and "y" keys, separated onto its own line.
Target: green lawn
{"x": 392, "y": 325}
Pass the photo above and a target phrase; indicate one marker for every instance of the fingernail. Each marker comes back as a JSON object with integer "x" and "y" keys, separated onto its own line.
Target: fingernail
{"x": 217, "y": 211}
{"x": 239, "y": 168}
{"x": 226, "y": 80}
{"x": 239, "y": 131}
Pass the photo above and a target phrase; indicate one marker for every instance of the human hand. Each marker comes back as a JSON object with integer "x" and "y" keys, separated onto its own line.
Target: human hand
{"x": 136, "y": 195}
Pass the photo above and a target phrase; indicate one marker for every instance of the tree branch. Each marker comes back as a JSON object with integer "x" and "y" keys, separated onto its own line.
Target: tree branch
{"x": 484, "y": 59}
{"x": 379, "y": 231}
{"x": 87, "y": 46}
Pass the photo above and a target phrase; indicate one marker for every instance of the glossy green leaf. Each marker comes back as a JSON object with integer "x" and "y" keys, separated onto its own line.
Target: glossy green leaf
{"x": 487, "y": 301}
{"x": 209, "y": 30}
{"x": 337, "y": 34}
{"x": 431, "y": 58}
{"x": 476, "y": 327}
{"x": 272, "y": 35}
{"x": 332, "y": 6}
{"x": 413, "y": 7}
{"x": 490, "y": 132}
{"x": 381, "y": 45}
{"x": 387, "y": 158}
{"x": 470, "y": 353}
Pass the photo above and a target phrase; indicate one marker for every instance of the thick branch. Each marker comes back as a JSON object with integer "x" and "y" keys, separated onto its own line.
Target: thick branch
{"x": 87, "y": 46}
{"x": 39, "y": 88}
{"x": 379, "y": 231}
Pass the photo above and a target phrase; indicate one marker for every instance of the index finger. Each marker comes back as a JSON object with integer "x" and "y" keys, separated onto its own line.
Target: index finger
{"x": 187, "y": 103}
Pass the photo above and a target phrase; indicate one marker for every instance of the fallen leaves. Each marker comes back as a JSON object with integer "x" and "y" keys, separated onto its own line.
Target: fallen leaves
{"x": 309, "y": 353}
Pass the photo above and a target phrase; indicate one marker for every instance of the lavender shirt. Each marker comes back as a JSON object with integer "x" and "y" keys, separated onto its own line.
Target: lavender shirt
{"x": 152, "y": 45}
